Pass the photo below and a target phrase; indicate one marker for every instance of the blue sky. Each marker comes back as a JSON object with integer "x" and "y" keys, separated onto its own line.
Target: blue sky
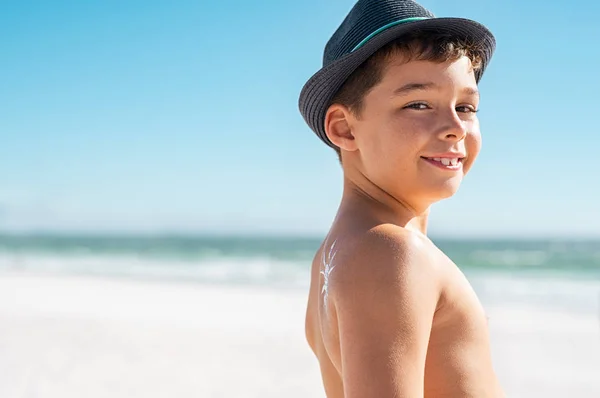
{"x": 182, "y": 116}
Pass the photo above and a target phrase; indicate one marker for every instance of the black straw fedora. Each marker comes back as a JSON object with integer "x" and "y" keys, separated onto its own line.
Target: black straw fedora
{"x": 370, "y": 25}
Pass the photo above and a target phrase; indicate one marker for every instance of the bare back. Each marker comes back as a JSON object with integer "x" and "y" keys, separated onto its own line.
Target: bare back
{"x": 457, "y": 362}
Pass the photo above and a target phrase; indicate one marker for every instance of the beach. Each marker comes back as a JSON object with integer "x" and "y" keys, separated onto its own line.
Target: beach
{"x": 82, "y": 336}
{"x": 92, "y": 337}
{"x": 212, "y": 317}
{"x": 170, "y": 178}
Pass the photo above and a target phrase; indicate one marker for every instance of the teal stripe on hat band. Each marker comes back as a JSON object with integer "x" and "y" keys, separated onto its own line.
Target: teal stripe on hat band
{"x": 366, "y": 39}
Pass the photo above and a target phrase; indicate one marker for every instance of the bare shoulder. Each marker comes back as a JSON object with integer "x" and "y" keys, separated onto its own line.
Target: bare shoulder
{"x": 387, "y": 258}
{"x": 385, "y": 293}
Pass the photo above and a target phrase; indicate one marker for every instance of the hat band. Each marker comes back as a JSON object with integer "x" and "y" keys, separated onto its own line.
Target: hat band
{"x": 366, "y": 39}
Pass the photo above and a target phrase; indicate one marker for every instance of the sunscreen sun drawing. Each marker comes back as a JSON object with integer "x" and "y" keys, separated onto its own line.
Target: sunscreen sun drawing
{"x": 326, "y": 269}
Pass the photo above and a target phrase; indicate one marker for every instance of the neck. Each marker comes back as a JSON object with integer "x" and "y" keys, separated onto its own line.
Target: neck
{"x": 360, "y": 192}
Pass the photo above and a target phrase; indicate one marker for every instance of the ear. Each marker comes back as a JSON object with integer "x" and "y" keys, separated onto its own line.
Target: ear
{"x": 338, "y": 127}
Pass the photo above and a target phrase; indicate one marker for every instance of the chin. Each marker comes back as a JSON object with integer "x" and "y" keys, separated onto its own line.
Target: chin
{"x": 445, "y": 190}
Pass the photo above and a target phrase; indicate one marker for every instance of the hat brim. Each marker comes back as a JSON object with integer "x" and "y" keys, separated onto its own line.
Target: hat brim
{"x": 319, "y": 90}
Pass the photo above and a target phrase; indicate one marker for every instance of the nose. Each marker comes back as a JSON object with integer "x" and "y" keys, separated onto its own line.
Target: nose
{"x": 453, "y": 127}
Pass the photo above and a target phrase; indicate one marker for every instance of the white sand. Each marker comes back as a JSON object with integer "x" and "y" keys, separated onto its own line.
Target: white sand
{"x": 67, "y": 337}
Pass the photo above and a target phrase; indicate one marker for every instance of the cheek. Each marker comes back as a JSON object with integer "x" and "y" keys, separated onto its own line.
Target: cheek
{"x": 406, "y": 132}
{"x": 473, "y": 146}
{"x": 401, "y": 141}
{"x": 404, "y": 140}
{"x": 383, "y": 137}
{"x": 391, "y": 141}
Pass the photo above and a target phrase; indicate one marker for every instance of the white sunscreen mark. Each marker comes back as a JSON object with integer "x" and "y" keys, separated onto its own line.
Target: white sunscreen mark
{"x": 326, "y": 269}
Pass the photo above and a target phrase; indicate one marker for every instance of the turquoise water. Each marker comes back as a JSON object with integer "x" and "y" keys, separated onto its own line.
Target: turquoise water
{"x": 268, "y": 260}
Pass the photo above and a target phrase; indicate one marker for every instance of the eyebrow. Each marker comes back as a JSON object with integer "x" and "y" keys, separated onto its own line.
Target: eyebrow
{"x": 407, "y": 88}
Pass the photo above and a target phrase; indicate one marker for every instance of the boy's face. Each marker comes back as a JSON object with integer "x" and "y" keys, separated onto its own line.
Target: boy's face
{"x": 420, "y": 113}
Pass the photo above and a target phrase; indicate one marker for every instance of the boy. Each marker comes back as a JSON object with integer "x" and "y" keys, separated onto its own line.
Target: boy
{"x": 389, "y": 315}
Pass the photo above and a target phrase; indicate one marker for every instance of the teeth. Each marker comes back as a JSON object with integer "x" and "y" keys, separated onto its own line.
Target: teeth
{"x": 447, "y": 161}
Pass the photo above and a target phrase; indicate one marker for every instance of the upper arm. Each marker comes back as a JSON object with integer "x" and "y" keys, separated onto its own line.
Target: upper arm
{"x": 385, "y": 299}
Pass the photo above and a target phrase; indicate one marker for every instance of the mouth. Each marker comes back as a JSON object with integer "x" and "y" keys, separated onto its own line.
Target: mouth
{"x": 445, "y": 163}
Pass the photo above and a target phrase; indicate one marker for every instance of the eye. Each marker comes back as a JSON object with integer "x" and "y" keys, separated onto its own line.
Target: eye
{"x": 417, "y": 105}
{"x": 467, "y": 109}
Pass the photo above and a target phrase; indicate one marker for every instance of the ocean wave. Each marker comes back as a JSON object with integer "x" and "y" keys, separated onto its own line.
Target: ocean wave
{"x": 568, "y": 291}
{"x": 214, "y": 270}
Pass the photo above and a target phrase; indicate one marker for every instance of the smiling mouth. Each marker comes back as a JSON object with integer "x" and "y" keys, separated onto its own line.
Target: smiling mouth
{"x": 446, "y": 163}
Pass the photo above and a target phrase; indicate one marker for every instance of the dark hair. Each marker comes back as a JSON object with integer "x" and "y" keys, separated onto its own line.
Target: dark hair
{"x": 419, "y": 45}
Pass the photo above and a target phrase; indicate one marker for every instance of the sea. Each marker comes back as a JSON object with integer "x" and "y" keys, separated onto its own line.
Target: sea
{"x": 557, "y": 273}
